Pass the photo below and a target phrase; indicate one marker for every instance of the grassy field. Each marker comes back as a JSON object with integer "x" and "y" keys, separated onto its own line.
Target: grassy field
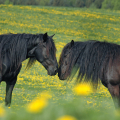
{"x": 67, "y": 24}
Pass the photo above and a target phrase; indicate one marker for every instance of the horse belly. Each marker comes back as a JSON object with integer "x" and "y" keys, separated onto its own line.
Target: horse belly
{"x": 8, "y": 77}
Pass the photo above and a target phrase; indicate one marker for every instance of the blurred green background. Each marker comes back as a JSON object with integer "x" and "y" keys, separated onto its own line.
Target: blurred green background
{"x": 106, "y": 4}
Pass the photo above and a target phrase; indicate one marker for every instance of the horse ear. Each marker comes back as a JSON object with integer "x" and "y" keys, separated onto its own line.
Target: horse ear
{"x": 72, "y": 43}
{"x": 52, "y": 36}
{"x": 45, "y": 36}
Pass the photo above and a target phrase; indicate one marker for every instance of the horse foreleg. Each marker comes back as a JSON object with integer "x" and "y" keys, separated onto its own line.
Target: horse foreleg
{"x": 114, "y": 91}
{"x": 10, "y": 85}
{"x": 9, "y": 89}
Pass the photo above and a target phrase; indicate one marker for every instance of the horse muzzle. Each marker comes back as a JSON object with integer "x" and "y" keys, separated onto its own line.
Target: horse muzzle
{"x": 62, "y": 76}
{"x": 52, "y": 71}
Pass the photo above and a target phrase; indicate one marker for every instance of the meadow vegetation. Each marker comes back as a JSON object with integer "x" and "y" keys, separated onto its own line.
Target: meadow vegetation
{"x": 39, "y": 96}
{"x": 105, "y": 4}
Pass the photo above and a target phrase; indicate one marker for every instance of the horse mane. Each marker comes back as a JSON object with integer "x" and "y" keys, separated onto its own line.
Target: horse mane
{"x": 90, "y": 58}
{"x": 15, "y": 46}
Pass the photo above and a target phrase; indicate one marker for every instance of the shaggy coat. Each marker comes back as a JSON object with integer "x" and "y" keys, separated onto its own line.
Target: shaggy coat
{"x": 94, "y": 61}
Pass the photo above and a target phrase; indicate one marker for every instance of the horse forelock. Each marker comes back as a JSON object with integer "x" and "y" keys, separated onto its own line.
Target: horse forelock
{"x": 62, "y": 55}
{"x": 73, "y": 56}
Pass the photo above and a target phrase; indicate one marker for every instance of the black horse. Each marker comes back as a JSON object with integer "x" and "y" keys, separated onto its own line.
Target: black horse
{"x": 94, "y": 61}
{"x": 15, "y": 48}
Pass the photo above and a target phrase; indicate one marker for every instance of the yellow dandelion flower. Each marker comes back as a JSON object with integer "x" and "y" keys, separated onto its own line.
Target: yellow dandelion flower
{"x": 67, "y": 117}
{"x": 83, "y": 89}
{"x": 46, "y": 95}
{"x": 37, "y": 105}
{"x": 88, "y": 102}
{"x": 2, "y": 111}
{"x": 1, "y": 98}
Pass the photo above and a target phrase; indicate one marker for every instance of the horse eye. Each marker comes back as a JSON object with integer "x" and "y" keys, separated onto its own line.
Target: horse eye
{"x": 44, "y": 46}
{"x": 65, "y": 55}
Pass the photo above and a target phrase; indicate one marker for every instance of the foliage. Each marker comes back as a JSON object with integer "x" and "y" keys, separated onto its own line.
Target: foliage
{"x": 111, "y": 4}
{"x": 107, "y": 4}
{"x": 69, "y": 3}
{"x": 98, "y": 3}
{"x": 67, "y": 24}
{"x": 43, "y": 2}
{"x": 20, "y": 2}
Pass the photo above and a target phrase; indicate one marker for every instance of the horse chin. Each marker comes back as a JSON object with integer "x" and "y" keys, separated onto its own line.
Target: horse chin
{"x": 62, "y": 77}
{"x": 51, "y": 73}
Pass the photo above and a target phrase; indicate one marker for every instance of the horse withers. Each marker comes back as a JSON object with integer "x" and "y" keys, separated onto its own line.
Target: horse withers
{"x": 94, "y": 60}
{"x": 15, "y": 48}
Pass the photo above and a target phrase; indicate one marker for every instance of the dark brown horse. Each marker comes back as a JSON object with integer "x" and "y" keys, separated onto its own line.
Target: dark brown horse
{"x": 15, "y": 48}
{"x": 95, "y": 61}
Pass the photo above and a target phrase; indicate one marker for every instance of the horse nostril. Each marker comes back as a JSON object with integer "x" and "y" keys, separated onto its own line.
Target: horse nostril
{"x": 56, "y": 70}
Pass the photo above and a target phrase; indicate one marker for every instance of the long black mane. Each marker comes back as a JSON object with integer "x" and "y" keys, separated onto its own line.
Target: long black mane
{"x": 90, "y": 58}
{"x": 15, "y": 46}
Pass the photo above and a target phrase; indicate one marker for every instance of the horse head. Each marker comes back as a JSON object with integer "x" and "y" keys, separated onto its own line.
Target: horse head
{"x": 45, "y": 53}
{"x": 64, "y": 69}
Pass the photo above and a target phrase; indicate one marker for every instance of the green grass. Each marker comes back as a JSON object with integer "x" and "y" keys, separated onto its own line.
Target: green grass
{"x": 67, "y": 24}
